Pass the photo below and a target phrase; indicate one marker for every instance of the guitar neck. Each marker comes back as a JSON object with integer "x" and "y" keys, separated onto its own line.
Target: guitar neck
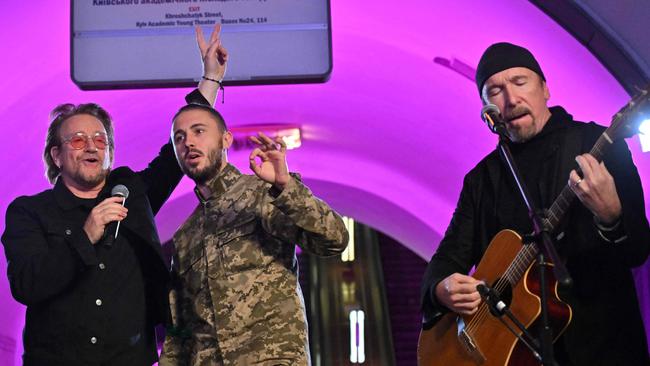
{"x": 561, "y": 204}
{"x": 555, "y": 213}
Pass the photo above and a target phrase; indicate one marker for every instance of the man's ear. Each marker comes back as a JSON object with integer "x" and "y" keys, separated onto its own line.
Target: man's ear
{"x": 55, "y": 154}
{"x": 111, "y": 155}
{"x": 547, "y": 93}
{"x": 227, "y": 139}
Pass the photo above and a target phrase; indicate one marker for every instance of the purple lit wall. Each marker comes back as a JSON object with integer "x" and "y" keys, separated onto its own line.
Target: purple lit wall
{"x": 387, "y": 140}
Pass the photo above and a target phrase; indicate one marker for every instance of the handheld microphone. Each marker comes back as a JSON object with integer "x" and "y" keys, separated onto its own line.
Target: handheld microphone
{"x": 119, "y": 190}
{"x": 491, "y": 115}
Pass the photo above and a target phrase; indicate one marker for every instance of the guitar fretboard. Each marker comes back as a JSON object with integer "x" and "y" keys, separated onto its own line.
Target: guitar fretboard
{"x": 558, "y": 210}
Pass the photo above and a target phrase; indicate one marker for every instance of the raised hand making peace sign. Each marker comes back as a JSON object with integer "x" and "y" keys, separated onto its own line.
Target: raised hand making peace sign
{"x": 214, "y": 57}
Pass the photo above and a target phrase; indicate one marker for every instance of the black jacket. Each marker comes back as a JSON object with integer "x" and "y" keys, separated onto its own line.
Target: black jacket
{"x": 606, "y": 327}
{"x": 67, "y": 283}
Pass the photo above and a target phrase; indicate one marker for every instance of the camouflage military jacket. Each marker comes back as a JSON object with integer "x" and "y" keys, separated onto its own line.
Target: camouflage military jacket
{"x": 237, "y": 300}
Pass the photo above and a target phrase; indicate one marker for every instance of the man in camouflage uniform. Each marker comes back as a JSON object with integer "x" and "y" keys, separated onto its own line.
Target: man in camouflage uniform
{"x": 237, "y": 300}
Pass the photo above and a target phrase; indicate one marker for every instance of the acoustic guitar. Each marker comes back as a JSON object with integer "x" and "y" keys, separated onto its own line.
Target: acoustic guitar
{"x": 508, "y": 267}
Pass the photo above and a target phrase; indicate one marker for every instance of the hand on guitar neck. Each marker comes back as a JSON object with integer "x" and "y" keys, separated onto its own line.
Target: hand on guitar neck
{"x": 458, "y": 293}
{"x": 596, "y": 190}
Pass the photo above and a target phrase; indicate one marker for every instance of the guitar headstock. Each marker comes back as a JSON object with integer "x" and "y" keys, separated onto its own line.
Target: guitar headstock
{"x": 625, "y": 122}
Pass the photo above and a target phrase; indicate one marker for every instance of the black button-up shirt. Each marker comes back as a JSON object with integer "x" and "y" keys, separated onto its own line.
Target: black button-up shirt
{"x": 112, "y": 295}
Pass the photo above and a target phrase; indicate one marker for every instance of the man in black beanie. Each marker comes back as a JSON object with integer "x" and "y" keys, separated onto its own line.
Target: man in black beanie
{"x": 603, "y": 234}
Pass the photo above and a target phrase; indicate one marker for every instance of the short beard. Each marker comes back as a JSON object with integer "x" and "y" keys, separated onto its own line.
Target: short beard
{"x": 90, "y": 181}
{"x": 209, "y": 172}
{"x": 523, "y": 133}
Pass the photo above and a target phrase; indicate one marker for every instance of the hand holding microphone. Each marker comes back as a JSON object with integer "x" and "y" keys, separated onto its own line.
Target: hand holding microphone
{"x": 104, "y": 219}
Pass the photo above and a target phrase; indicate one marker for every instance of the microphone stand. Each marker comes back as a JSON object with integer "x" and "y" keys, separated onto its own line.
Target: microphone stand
{"x": 499, "y": 308}
{"x": 546, "y": 247}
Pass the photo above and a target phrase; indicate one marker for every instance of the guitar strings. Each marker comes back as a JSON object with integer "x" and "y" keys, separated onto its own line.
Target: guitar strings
{"x": 499, "y": 286}
{"x": 483, "y": 311}
{"x": 511, "y": 276}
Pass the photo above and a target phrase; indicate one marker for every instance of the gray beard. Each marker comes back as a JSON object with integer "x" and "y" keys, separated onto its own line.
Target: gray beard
{"x": 92, "y": 181}
{"x": 522, "y": 135}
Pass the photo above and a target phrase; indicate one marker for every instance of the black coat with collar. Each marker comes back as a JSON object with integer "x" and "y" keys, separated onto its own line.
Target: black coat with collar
{"x": 50, "y": 259}
{"x": 606, "y": 327}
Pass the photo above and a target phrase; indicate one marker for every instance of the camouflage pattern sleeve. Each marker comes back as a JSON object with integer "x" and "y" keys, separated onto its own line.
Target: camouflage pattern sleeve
{"x": 320, "y": 229}
{"x": 190, "y": 339}
{"x": 175, "y": 350}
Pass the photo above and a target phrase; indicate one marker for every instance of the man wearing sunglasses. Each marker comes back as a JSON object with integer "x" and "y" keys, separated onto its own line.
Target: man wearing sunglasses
{"x": 93, "y": 298}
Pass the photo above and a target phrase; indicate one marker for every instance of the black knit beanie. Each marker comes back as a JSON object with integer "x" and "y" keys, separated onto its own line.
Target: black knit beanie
{"x": 502, "y": 56}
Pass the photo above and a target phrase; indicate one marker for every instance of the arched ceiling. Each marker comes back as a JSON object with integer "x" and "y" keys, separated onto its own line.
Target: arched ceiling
{"x": 614, "y": 32}
{"x": 387, "y": 139}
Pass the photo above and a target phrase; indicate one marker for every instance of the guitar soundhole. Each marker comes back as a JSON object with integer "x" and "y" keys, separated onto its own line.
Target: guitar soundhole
{"x": 504, "y": 290}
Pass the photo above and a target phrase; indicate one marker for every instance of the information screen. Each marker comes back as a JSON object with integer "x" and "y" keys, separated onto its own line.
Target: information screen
{"x": 151, "y": 43}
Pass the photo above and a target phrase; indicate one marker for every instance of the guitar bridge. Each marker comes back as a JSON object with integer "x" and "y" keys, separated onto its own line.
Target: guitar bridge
{"x": 468, "y": 342}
